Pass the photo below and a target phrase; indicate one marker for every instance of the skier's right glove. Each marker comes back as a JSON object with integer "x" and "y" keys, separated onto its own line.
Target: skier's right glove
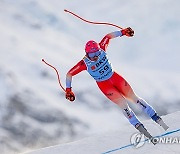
{"x": 128, "y": 32}
{"x": 70, "y": 95}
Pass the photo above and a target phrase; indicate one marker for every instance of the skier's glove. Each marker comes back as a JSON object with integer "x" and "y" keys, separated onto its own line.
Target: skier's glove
{"x": 70, "y": 95}
{"x": 128, "y": 32}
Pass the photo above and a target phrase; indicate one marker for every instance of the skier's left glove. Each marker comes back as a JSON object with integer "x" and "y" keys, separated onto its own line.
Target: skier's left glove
{"x": 128, "y": 32}
{"x": 70, "y": 95}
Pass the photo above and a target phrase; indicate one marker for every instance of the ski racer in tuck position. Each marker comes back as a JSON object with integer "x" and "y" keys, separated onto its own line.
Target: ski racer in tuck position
{"x": 113, "y": 85}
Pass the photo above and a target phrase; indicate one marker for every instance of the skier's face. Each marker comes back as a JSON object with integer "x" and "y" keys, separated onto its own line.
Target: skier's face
{"x": 94, "y": 56}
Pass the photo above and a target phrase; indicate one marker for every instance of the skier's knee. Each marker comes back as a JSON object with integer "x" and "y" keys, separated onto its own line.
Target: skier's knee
{"x": 131, "y": 116}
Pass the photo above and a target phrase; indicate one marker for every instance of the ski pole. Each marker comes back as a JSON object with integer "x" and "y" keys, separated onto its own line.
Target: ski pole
{"x": 56, "y": 73}
{"x": 92, "y": 22}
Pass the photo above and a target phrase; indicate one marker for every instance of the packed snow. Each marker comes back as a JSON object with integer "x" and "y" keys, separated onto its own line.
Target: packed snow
{"x": 111, "y": 142}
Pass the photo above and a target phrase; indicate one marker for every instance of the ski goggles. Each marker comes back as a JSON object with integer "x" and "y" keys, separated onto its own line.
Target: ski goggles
{"x": 94, "y": 54}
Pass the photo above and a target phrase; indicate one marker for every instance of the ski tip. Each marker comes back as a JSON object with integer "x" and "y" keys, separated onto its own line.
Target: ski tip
{"x": 42, "y": 60}
{"x": 65, "y": 10}
{"x": 166, "y": 128}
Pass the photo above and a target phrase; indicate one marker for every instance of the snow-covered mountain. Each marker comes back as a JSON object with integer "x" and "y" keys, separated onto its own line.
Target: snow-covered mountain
{"x": 118, "y": 142}
{"x": 33, "y": 110}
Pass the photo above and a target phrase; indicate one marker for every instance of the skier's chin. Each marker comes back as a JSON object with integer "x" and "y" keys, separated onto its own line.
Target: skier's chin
{"x": 94, "y": 59}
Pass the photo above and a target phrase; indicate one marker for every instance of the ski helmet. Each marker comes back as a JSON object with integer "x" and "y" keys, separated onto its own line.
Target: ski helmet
{"x": 91, "y": 46}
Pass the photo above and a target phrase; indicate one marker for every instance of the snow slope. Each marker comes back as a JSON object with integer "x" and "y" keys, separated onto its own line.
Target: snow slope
{"x": 99, "y": 144}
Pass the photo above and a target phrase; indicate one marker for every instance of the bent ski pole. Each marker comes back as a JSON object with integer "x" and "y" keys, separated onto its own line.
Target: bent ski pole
{"x": 56, "y": 73}
{"x": 92, "y": 22}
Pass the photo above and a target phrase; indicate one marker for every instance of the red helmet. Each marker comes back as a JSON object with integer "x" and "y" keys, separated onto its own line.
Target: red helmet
{"x": 91, "y": 46}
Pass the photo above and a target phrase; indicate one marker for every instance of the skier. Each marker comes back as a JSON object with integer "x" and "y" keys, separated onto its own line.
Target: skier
{"x": 113, "y": 85}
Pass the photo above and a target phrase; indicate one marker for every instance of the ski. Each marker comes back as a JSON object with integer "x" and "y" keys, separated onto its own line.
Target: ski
{"x": 162, "y": 124}
{"x": 144, "y": 131}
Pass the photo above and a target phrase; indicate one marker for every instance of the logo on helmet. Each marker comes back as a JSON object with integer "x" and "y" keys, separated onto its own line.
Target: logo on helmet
{"x": 91, "y": 46}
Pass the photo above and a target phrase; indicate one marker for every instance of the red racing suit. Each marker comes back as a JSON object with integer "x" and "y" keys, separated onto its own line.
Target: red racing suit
{"x": 113, "y": 85}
